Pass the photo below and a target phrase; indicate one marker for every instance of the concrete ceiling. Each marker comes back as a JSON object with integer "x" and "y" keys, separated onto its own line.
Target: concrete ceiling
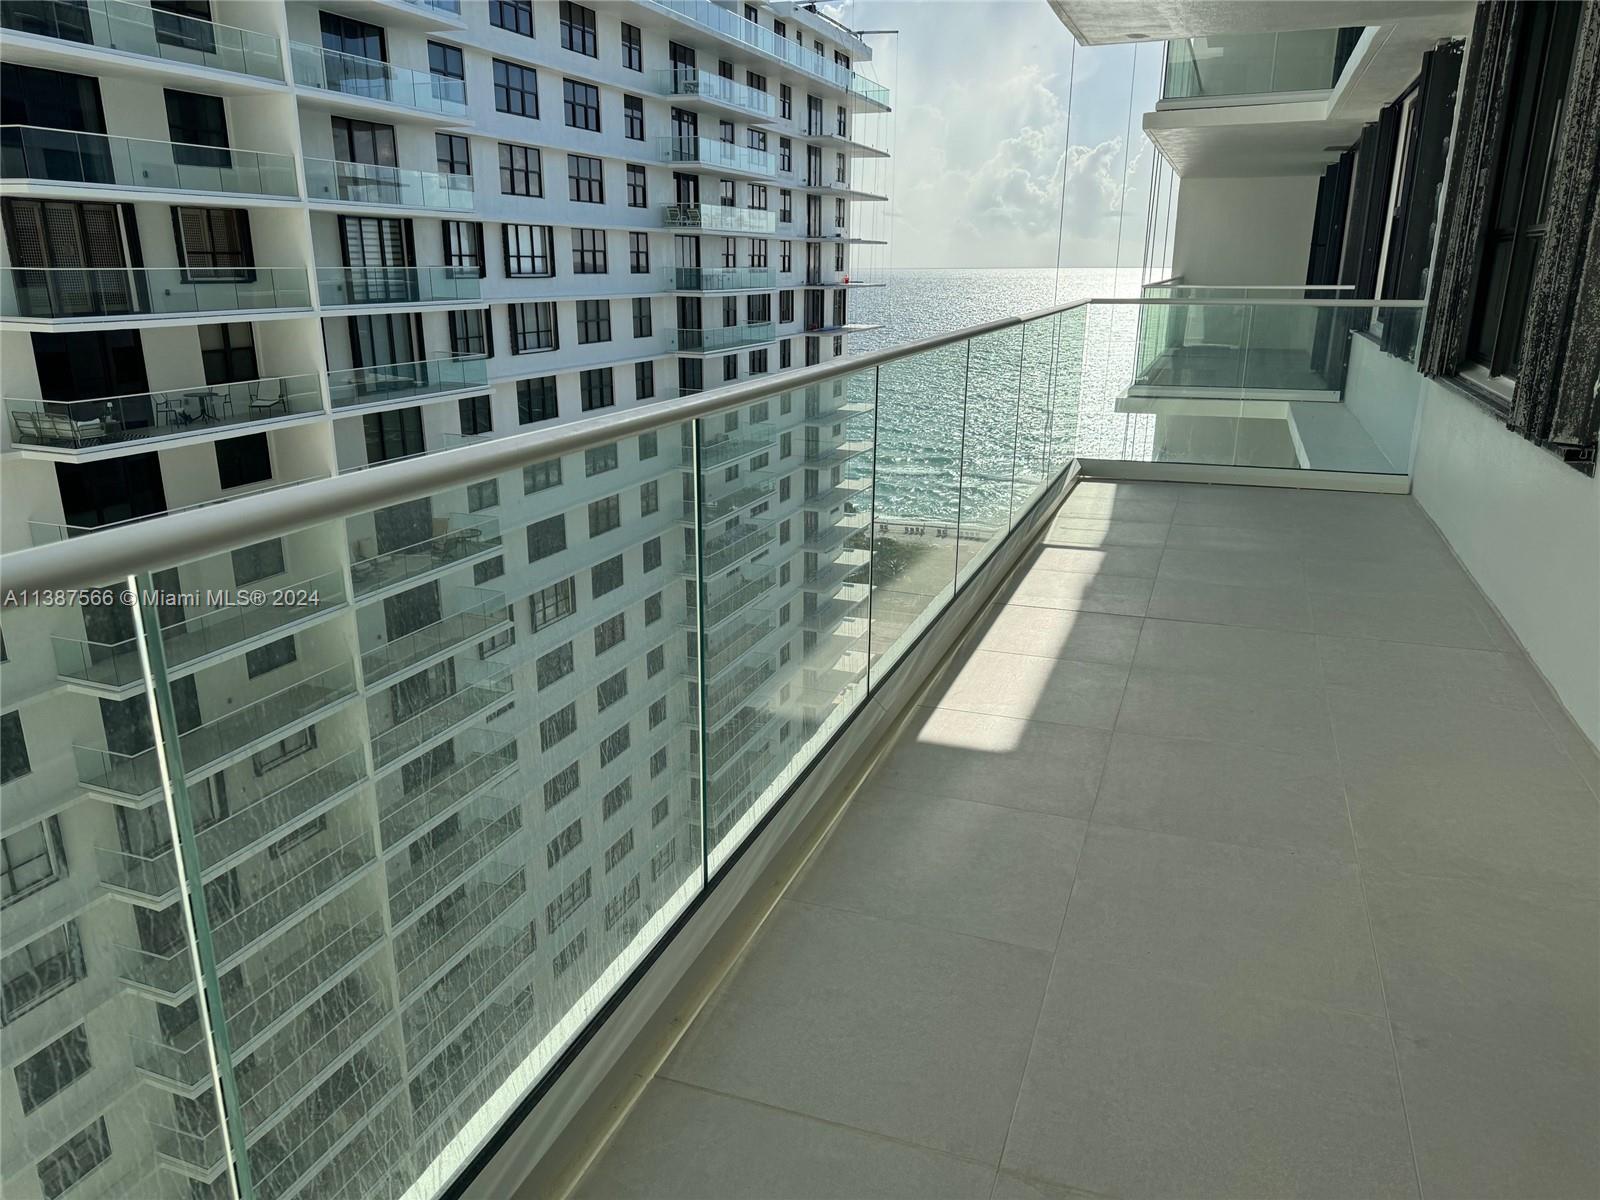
{"x": 1104, "y": 22}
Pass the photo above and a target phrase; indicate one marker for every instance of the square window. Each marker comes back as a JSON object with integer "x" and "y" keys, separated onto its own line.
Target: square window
{"x": 516, "y": 89}
{"x": 243, "y": 460}
{"x": 594, "y": 390}
{"x": 581, "y": 102}
{"x": 547, "y": 537}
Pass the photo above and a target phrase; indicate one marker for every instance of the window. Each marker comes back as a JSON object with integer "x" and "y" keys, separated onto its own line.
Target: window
{"x": 594, "y": 321}
{"x": 214, "y": 243}
{"x": 558, "y": 725}
{"x": 533, "y": 327}
{"x": 586, "y": 182}
{"x": 552, "y": 604}
{"x": 785, "y": 155}
{"x": 614, "y": 745}
{"x": 756, "y": 83}
{"x": 570, "y": 953}
{"x": 785, "y": 306}
{"x": 448, "y": 68}
{"x": 14, "y": 761}
{"x": 529, "y": 250}
{"x": 463, "y": 245}
{"x": 785, "y": 355}
{"x": 613, "y": 801}
{"x": 605, "y": 515}
{"x": 632, "y": 47}
{"x": 516, "y": 89}
{"x": 785, "y": 101}
{"x": 785, "y": 205}
{"x": 541, "y": 476}
{"x": 250, "y": 563}
{"x": 577, "y": 29}
{"x": 30, "y": 859}
{"x": 619, "y": 850}
{"x": 475, "y": 415}
{"x": 785, "y": 257}
{"x": 663, "y": 806}
{"x": 649, "y": 445}
{"x": 758, "y": 362}
{"x": 588, "y": 251}
{"x": 521, "y": 171}
{"x": 655, "y": 662}
{"x": 639, "y": 253}
{"x": 758, "y": 309}
{"x": 51, "y": 1070}
{"x": 652, "y": 548}
{"x": 563, "y": 843}
{"x": 556, "y": 665}
{"x": 638, "y": 195}
{"x": 652, "y": 608}
{"x": 581, "y": 102}
{"x": 536, "y": 401}
{"x": 559, "y": 786}
{"x": 35, "y": 972}
{"x": 75, "y": 1158}
{"x": 469, "y": 333}
{"x": 730, "y": 367}
{"x": 611, "y": 690}
{"x": 611, "y": 632}
{"x": 243, "y": 460}
{"x": 195, "y": 121}
{"x": 513, "y": 15}
{"x": 658, "y": 716}
{"x": 643, "y": 323}
{"x": 269, "y": 657}
{"x": 758, "y": 252}
{"x": 451, "y": 154}
{"x": 547, "y": 537}
{"x": 490, "y": 568}
{"x": 727, "y": 193}
{"x": 288, "y": 748}
{"x": 594, "y": 389}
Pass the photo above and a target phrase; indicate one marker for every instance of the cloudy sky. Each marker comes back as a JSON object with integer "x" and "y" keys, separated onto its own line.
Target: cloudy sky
{"x": 983, "y": 91}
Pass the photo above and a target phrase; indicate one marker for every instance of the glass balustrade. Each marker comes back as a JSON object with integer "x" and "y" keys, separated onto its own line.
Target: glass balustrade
{"x": 373, "y": 79}
{"x": 366, "y": 183}
{"x": 713, "y": 341}
{"x": 720, "y": 218}
{"x": 396, "y": 285}
{"x": 427, "y": 828}
{"x": 690, "y": 81}
{"x": 150, "y": 32}
{"x": 102, "y": 160}
{"x": 405, "y": 381}
{"x": 712, "y": 153}
{"x": 723, "y": 279}
{"x": 1256, "y": 64}
{"x": 59, "y": 293}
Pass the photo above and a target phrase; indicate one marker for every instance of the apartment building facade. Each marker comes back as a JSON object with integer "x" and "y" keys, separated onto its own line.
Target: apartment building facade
{"x": 248, "y": 245}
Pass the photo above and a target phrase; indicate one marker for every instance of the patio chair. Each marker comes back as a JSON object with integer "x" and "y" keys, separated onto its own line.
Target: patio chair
{"x": 263, "y": 403}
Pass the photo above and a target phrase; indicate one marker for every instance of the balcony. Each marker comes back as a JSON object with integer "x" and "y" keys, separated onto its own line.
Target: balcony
{"x": 455, "y": 539}
{"x": 98, "y": 161}
{"x": 415, "y": 880}
{"x": 151, "y": 418}
{"x": 1254, "y": 68}
{"x": 689, "y": 84}
{"x": 352, "y": 77}
{"x": 719, "y": 218}
{"x": 724, "y": 279}
{"x": 72, "y": 293}
{"x": 715, "y": 155}
{"x": 396, "y": 382}
{"x": 139, "y": 29}
{"x": 485, "y": 760}
{"x": 717, "y": 341}
{"x": 391, "y": 187}
{"x": 482, "y": 611}
{"x": 474, "y": 691}
{"x": 341, "y": 287}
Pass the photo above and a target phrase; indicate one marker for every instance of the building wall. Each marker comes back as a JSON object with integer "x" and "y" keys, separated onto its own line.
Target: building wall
{"x": 1526, "y": 526}
{"x": 1245, "y": 231}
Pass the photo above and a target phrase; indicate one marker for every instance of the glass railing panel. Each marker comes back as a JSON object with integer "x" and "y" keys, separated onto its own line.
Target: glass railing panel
{"x": 1066, "y": 384}
{"x": 396, "y": 285}
{"x": 67, "y": 156}
{"x": 689, "y": 81}
{"x": 707, "y": 279}
{"x": 710, "y": 152}
{"x": 1254, "y": 64}
{"x": 720, "y": 218}
{"x": 54, "y": 293}
{"x": 405, "y": 381}
{"x": 988, "y": 444}
{"x": 917, "y": 495}
{"x": 449, "y": 539}
{"x": 1031, "y": 462}
{"x": 140, "y": 29}
{"x": 372, "y": 79}
{"x": 365, "y": 183}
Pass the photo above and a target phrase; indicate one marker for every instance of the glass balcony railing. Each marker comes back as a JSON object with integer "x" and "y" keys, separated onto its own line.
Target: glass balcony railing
{"x": 720, "y": 218}
{"x": 396, "y": 285}
{"x": 60, "y": 293}
{"x": 405, "y": 381}
{"x": 713, "y": 341}
{"x": 723, "y": 279}
{"x": 365, "y": 183}
{"x": 442, "y": 845}
{"x": 153, "y": 33}
{"x": 690, "y": 81}
{"x": 711, "y": 153}
{"x": 153, "y": 416}
{"x": 1257, "y": 64}
{"x": 102, "y": 160}
{"x": 372, "y": 79}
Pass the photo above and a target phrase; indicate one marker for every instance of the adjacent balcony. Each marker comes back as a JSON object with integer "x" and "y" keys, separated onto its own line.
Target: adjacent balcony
{"x": 716, "y": 155}
{"x": 723, "y": 279}
{"x": 98, "y": 160}
{"x": 378, "y": 81}
{"x": 341, "y": 287}
{"x": 153, "y": 33}
{"x": 717, "y": 341}
{"x": 416, "y": 878}
{"x": 719, "y": 218}
{"x": 455, "y": 539}
{"x": 366, "y": 183}
{"x": 154, "y": 417}
{"x": 689, "y": 83}
{"x": 1255, "y": 68}
{"x": 473, "y": 691}
{"x": 395, "y": 382}
{"x": 426, "y": 946}
{"x": 480, "y": 612}
{"x": 71, "y": 293}
{"x": 482, "y": 759}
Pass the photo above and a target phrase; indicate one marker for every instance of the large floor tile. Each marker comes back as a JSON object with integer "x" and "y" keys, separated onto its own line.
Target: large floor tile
{"x": 685, "y": 1143}
{"x": 1423, "y": 672}
{"x": 1033, "y": 689}
{"x": 1407, "y": 617}
{"x": 1227, "y": 793}
{"x": 1271, "y": 657}
{"x": 1140, "y": 1085}
{"x": 1233, "y": 539}
{"x": 1282, "y": 607}
{"x": 1058, "y": 633}
{"x": 1171, "y": 704}
{"x": 897, "y": 1029}
{"x": 1089, "y": 532}
{"x": 1138, "y": 561}
{"x": 1286, "y": 924}
{"x": 1124, "y": 594}
{"x": 999, "y": 760}
{"x": 1517, "y": 968}
{"x": 1234, "y": 568}
{"x": 1414, "y": 574}
{"x": 971, "y": 868}
{"x": 1489, "y": 1122}
{"x": 1110, "y": 506}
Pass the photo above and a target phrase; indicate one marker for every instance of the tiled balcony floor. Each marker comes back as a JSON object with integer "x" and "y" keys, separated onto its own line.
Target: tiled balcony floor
{"x": 1239, "y": 853}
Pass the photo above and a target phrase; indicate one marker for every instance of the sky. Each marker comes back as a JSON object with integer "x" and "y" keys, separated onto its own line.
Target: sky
{"x": 983, "y": 91}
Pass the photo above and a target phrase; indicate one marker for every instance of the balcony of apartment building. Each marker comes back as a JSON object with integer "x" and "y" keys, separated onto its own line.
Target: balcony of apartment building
{"x": 722, "y": 279}
{"x": 720, "y": 218}
{"x": 728, "y": 158}
{"x": 721, "y": 340}
{"x": 703, "y": 91}
{"x": 346, "y": 71}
